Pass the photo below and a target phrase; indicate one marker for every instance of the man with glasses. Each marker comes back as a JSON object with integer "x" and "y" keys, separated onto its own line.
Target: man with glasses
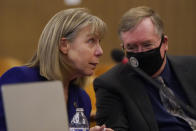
{"x": 162, "y": 95}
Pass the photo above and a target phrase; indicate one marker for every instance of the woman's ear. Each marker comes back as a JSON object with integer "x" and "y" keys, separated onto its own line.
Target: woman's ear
{"x": 64, "y": 45}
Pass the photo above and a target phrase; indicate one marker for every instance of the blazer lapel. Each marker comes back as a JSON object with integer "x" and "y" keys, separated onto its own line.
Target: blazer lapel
{"x": 134, "y": 85}
{"x": 185, "y": 78}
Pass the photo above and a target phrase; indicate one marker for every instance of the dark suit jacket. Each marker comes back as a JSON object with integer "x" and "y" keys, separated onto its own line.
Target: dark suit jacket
{"x": 123, "y": 104}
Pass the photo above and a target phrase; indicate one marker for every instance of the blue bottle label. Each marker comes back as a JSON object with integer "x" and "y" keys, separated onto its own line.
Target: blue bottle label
{"x": 78, "y": 129}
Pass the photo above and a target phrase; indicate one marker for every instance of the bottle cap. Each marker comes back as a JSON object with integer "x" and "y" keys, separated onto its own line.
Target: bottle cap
{"x": 79, "y": 109}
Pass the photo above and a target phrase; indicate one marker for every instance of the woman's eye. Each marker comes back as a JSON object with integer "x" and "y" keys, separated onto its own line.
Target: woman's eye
{"x": 92, "y": 40}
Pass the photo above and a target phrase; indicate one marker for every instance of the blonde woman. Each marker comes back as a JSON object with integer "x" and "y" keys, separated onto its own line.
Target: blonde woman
{"x": 68, "y": 50}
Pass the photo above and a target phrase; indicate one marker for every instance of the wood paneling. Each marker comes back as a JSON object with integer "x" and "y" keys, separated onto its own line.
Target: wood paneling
{"x": 22, "y": 21}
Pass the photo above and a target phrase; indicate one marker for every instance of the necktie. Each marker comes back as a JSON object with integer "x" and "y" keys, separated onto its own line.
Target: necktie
{"x": 170, "y": 103}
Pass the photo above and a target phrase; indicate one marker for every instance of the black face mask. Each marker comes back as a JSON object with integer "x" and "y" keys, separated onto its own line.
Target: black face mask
{"x": 149, "y": 61}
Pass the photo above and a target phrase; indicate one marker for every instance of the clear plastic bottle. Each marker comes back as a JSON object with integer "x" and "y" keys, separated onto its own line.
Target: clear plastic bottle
{"x": 79, "y": 121}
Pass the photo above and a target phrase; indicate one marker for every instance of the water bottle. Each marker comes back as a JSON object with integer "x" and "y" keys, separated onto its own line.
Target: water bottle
{"x": 79, "y": 121}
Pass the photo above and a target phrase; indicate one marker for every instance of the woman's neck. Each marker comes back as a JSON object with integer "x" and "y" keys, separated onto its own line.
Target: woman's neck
{"x": 66, "y": 84}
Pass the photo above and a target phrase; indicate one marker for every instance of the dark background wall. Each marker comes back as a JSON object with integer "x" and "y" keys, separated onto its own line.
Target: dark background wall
{"x": 21, "y": 22}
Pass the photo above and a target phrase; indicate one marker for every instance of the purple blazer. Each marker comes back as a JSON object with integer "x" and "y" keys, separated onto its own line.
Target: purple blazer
{"x": 23, "y": 74}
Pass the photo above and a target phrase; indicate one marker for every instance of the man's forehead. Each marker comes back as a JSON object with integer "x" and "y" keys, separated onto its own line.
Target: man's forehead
{"x": 129, "y": 37}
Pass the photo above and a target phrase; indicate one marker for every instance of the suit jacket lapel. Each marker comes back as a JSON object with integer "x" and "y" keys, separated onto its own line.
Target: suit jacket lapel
{"x": 184, "y": 76}
{"x": 134, "y": 85}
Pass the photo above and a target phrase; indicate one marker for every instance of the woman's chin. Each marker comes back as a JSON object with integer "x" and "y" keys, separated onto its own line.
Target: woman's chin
{"x": 89, "y": 73}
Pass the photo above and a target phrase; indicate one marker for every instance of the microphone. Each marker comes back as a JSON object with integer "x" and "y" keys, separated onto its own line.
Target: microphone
{"x": 118, "y": 56}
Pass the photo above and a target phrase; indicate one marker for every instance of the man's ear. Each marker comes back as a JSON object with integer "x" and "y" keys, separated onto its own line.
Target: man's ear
{"x": 64, "y": 45}
{"x": 165, "y": 41}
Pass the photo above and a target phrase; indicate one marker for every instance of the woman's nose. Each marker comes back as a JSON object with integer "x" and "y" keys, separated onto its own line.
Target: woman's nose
{"x": 98, "y": 51}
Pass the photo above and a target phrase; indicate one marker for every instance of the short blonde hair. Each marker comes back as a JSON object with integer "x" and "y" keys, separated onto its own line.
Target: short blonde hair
{"x": 66, "y": 23}
{"x": 135, "y": 15}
